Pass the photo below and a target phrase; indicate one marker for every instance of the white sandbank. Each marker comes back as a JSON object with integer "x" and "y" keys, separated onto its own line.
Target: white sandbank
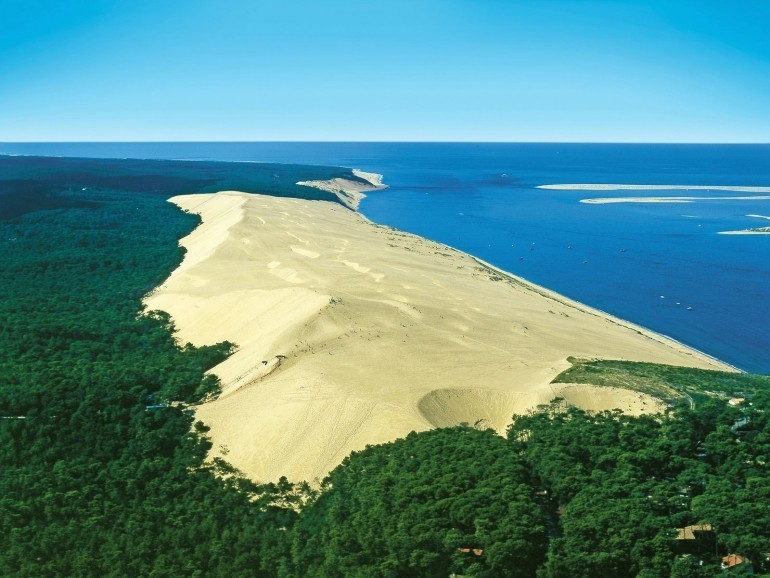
{"x": 348, "y": 191}
{"x": 660, "y": 199}
{"x": 757, "y": 231}
{"x": 607, "y": 200}
{"x": 615, "y": 187}
{"x": 752, "y": 231}
{"x": 351, "y": 333}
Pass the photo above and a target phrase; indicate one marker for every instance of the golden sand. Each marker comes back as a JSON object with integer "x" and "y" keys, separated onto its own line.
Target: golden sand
{"x": 351, "y": 333}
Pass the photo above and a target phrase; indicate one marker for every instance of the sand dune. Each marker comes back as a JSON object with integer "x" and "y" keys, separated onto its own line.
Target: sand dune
{"x": 352, "y": 333}
{"x": 595, "y": 398}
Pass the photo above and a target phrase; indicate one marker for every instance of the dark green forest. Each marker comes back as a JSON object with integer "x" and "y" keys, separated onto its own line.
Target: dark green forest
{"x": 102, "y": 462}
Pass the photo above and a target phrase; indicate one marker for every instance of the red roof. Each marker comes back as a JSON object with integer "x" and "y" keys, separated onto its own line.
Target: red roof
{"x": 732, "y": 560}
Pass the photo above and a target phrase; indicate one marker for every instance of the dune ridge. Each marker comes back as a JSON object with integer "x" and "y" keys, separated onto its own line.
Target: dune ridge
{"x": 351, "y": 333}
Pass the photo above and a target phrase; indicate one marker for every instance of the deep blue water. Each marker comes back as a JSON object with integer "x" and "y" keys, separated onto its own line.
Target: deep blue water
{"x": 660, "y": 265}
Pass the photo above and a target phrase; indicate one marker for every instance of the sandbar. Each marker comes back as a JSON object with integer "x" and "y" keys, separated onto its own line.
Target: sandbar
{"x": 352, "y": 333}
{"x": 616, "y": 187}
{"x": 607, "y": 200}
{"x": 752, "y": 231}
{"x": 348, "y": 191}
{"x": 757, "y": 231}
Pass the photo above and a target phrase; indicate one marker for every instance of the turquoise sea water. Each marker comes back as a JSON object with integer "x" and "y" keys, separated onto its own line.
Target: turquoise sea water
{"x": 661, "y": 265}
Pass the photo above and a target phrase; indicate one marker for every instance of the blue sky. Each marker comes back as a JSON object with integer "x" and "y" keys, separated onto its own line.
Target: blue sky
{"x": 426, "y": 70}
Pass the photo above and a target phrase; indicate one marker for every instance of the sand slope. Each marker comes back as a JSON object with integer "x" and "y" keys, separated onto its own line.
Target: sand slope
{"x": 351, "y": 333}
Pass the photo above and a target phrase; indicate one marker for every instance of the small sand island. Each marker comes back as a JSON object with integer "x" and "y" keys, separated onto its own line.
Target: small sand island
{"x": 609, "y": 200}
{"x": 755, "y": 231}
{"x": 612, "y": 187}
{"x": 351, "y": 333}
{"x": 751, "y": 231}
{"x": 660, "y": 199}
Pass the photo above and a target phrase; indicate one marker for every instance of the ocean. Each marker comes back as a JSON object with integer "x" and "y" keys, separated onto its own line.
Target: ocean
{"x": 661, "y": 265}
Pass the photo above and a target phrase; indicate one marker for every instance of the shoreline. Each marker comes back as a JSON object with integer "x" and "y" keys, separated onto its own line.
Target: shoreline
{"x": 649, "y": 333}
{"x": 352, "y": 333}
{"x": 551, "y": 294}
{"x": 703, "y": 353}
{"x": 558, "y": 297}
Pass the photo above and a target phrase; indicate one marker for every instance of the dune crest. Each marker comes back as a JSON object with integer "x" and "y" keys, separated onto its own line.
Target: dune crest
{"x": 351, "y": 333}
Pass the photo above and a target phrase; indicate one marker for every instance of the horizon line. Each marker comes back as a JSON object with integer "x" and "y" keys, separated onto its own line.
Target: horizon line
{"x": 597, "y": 142}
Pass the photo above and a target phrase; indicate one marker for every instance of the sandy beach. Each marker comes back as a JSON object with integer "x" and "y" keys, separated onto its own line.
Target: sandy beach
{"x": 351, "y": 333}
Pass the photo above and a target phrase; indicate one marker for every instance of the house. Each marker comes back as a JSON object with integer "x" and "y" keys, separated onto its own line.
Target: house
{"x": 732, "y": 560}
{"x": 696, "y": 539}
{"x": 693, "y": 532}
